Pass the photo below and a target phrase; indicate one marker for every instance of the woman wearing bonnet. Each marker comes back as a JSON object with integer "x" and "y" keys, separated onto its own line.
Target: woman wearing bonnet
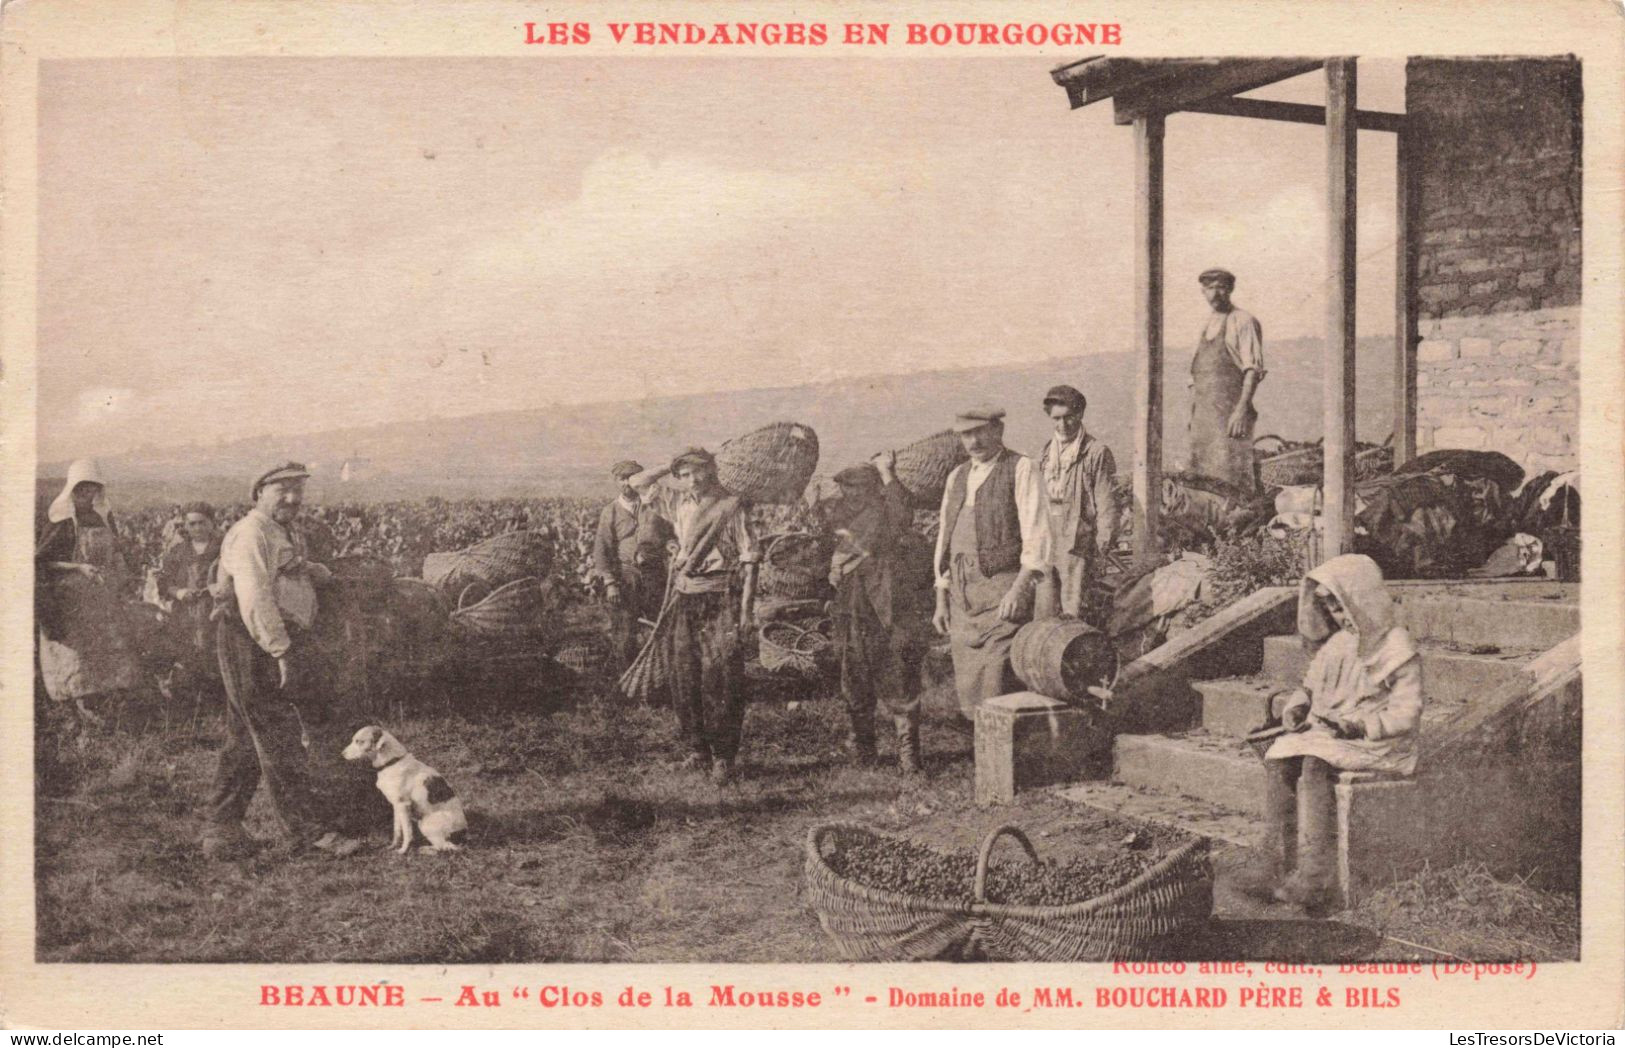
{"x": 84, "y": 649}
{"x": 1359, "y": 709}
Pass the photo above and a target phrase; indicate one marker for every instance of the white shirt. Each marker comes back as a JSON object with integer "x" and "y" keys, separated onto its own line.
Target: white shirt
{"x": 1058, "y": 461}
{"x": 683, "y": 511}
{"x": 1243, "y": 338}
{"x": 1031, "y": 512}
{"x": 253, "y": 556}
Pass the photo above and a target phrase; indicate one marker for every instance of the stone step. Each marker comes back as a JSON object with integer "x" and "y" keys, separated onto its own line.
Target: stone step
{"x": 1502, "y": 617}
{"x": 1234, "y": 706}
{"x": 1449, "y": 677}
{"x": 1217, "y": 769}
{"x": 1185, "y": 813}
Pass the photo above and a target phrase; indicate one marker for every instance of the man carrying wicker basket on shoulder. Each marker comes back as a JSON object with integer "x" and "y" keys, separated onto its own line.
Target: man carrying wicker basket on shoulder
{"x": 881, "y": 607}
{"x": 993, "y": 548}
{"x": 711, "y": 604}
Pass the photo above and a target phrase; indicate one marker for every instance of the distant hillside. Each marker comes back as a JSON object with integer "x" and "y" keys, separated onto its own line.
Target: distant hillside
{"x": 566, "y": 449}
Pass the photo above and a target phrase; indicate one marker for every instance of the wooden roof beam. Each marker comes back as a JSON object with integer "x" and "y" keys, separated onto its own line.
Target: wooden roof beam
{"x": 1098, "y": 78}
{"x": 1293, "y": 113}
{"x": 1222, "y": 79}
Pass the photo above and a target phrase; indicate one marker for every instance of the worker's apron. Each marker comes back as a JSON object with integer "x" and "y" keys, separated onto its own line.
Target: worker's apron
{"x": 1216, "y": 385}
{"x": 978, "y": 639}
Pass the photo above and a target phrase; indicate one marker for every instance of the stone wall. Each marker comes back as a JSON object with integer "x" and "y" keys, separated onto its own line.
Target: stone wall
{"x": 1499, "y": 267}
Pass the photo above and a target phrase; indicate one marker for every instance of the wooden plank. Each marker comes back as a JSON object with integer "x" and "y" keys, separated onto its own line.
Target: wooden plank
{"x": 1292, "y": 113}
{"x": 1407, "y": 240}
{"x": 1148, "y": 199}
{"x": 1098, "y": 78}
{"x": 1341, "y": 95}
{"x": 1229, "y": 77}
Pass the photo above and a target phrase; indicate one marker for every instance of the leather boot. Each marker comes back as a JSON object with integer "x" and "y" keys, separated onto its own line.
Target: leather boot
{"x": 1271, "y": 862}
{"x": 908, "y": 744}
{"x": 1312, "y": 885}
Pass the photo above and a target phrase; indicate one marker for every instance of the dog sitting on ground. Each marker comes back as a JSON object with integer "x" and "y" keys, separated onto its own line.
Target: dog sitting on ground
{"x": 417, "y": 793}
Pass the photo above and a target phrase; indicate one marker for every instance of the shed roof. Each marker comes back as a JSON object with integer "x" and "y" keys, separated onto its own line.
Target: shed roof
{"x": 1142, "y": 86}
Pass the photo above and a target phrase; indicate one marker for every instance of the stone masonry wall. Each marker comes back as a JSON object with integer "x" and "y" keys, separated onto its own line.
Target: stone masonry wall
{"x": 1499, "y": 268}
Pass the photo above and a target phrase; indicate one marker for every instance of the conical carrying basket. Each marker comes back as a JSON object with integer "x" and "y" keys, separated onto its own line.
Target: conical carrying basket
{"x": 771, "y": 464}
{"x": 923, "y": 467}
{"x": 495, "y": 562}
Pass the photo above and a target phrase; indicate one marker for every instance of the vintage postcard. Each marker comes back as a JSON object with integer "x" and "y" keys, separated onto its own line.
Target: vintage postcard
{"x": 811, "y": 515}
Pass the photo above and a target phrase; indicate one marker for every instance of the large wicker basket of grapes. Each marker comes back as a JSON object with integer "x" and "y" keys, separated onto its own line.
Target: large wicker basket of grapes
{"x": 883, "y": 898}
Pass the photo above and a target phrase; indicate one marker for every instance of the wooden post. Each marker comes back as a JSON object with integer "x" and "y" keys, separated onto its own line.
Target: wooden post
{"x": 1341, "y": 96}
{"x": 1407, "y": 234}
{"x": 1148, "y": 133}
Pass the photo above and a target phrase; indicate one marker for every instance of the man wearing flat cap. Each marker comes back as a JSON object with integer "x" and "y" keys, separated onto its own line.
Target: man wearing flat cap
{"x": 881, "y": 610}
{"x": 267, "y": 586}
{"x": 993, "y": 548}
{"x": 1080, "y": 478}
{"x": 628, "y": 557}
{"x": 712, "y": 606}
{"x": 1225, "y": 372}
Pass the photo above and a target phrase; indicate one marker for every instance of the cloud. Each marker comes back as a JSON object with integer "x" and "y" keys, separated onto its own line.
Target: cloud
{"x": 637, "y": 215}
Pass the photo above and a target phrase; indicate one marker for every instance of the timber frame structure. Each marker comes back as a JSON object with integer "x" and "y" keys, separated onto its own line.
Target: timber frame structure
{"x": 1144, "y": 93}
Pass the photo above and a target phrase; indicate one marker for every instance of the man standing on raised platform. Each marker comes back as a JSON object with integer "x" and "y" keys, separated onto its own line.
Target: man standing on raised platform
{"x": 1079, "y": 481}
{"x": 993, "y": 548}
{"x": 1225, "y": 372}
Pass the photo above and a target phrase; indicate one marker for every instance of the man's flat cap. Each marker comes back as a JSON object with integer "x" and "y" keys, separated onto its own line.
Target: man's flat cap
{"x": 1068, "y": 395}
{"x": 625, "y": 469}
{"x": 976, "y": 418}
{"x": 1217, "y": 276}
{"x": 693, "y": 457}
{"x": 277, "y": 475}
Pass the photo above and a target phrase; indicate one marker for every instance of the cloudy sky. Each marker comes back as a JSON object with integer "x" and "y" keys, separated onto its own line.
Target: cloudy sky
{"x": 233, "y": 247}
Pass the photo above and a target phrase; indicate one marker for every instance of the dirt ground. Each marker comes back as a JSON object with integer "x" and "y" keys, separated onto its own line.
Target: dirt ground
{"x": 587, "y": 844}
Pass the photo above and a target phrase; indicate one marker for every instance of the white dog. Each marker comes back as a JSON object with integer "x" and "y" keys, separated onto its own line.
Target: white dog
{"x": 416, "y": 791}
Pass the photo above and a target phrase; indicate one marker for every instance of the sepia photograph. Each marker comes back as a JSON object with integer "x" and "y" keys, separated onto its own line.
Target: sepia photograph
{"x": 633, "y": 508}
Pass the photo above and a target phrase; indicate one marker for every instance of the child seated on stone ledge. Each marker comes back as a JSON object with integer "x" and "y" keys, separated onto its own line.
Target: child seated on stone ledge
{"x": 1359, "y": 709}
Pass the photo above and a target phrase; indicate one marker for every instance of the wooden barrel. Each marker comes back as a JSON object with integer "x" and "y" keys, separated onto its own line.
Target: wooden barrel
{"x": 1061, "y": 658}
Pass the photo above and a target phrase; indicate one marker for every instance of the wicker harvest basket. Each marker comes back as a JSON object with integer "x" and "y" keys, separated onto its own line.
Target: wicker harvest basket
{"x": 787, "y": 647}
{"x": 795, "y": 566}
{"x": 495, "y": 562}
{"x": 923, "y": 467}
{"x": 515, "y": 611}
{"x": 771, "y": 464}
{"x": 1300, "y": 464}
{"x": 1142, "y": 920}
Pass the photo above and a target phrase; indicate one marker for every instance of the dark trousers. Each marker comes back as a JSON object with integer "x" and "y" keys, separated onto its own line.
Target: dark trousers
{"x": 1300, "y": 805}
{"x": 708, "y": 673}
{"x": 262, "y": 738}
{"x": 877, "y": 665}
{"x": 639, "y": 599}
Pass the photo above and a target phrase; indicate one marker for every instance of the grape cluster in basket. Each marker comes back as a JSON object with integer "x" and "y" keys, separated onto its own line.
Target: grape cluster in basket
{"x": 906, "y": 868}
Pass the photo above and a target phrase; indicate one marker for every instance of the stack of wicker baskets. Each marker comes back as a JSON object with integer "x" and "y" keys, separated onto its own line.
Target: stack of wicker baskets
{"x": 771, "y": 464}
{"x": 1142, "y": 920}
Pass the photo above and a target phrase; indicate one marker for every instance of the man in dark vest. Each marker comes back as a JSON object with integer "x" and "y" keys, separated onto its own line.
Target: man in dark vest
{"x": 628, "y": 556}
{"x": 993, "y": 548}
